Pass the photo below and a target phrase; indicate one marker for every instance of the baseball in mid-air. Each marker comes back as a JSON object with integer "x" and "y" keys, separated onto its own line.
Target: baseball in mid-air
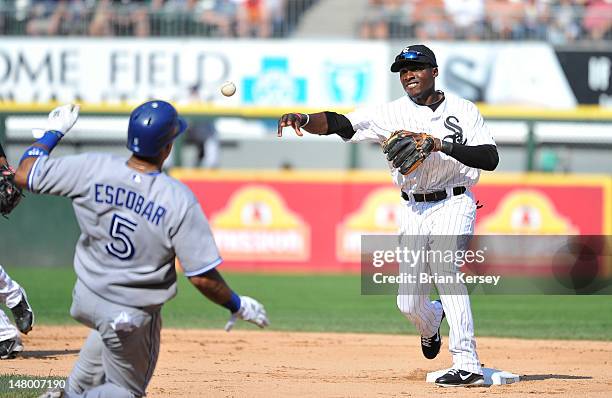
{"x": 228, "y": 89}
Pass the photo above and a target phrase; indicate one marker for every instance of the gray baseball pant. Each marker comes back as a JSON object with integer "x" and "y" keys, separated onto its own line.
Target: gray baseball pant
{"x": 118, "y": 358}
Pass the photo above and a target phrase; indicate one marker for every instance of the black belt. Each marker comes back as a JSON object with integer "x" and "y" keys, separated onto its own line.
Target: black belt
{"x": 433, "y": 196}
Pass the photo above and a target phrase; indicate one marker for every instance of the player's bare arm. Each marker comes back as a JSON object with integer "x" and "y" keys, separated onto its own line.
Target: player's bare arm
{"x": 21, "y": 174}
{"x": 321, "y": 123}
{"x": 212, "y": 285}
{"x": 316, "y": 122}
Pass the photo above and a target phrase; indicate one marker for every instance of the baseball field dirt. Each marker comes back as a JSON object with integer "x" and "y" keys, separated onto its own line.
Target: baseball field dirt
{"x": 199, "y": 363}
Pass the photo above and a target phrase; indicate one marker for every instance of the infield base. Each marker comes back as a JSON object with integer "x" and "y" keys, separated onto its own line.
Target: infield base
{"x": 491, "y": 376}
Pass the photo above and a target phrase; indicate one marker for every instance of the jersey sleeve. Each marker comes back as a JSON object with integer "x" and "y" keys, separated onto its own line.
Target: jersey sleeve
{"x": 62, "y": 176}
{"x": 366, "y": 127}
{"x": 480, "y": 132}
{"x": 194, "y": 243}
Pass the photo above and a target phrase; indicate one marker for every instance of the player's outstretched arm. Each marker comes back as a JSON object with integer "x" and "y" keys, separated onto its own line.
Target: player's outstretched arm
{"x": 212, "y": 285}
{"x": 322, "y": 123}
{"x": 315, "y": 122}
{"x": 21, "y": 175}
{"x": 59, "y": 122}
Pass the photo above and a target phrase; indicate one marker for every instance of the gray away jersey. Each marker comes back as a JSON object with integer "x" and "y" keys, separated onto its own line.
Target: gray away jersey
{"x": 132, "y": 226}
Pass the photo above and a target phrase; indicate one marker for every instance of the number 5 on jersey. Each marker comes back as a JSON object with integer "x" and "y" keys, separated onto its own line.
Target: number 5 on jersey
{"x": 120, "y": 230}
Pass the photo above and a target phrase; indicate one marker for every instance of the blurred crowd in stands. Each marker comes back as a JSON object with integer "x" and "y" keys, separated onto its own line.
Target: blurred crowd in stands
{"x": 556, "y": 21}
{"x": 142, "y": 18}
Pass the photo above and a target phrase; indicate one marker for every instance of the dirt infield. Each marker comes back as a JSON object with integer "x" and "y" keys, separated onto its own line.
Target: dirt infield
{"x": 198, "y": 363}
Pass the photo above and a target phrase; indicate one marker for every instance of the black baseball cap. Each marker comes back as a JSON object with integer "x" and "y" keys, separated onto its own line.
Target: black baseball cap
{"x": 417, "y": 53}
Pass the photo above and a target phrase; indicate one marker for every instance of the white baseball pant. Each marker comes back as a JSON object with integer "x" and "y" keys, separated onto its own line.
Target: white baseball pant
{"x": 438, "y": 226}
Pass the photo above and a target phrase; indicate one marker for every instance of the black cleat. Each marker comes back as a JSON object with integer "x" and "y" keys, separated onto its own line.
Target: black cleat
{"x": 23, "y": 315}
{"x": 10, "y": 348}
{"x": 431, "y": 345}
{"x": 460, "y": 378}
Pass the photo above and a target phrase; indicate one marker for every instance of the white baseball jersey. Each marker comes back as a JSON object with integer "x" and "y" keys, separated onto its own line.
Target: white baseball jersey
{"x": 132, "y": 226}
{"x": 456, "y": 120}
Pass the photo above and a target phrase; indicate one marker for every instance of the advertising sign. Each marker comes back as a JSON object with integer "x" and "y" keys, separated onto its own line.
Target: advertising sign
{"x": 589, "y": 73}
{"x": 313, "y": 221}
{"x": 266, "y": 73}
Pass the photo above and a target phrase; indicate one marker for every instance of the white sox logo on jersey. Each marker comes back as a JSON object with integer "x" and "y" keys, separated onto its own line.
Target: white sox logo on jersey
{"x": 451, "y": 124}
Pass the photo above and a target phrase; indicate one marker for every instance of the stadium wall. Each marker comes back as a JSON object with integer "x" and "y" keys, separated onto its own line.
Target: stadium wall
{"x": 274, "y": 220}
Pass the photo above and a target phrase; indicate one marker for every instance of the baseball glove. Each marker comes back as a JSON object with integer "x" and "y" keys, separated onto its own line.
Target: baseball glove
{"x": 10, "y": 194}
{"x": 407, "y": 150}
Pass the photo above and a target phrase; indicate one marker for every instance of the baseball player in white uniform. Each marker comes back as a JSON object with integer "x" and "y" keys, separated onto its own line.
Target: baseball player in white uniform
{"x": 438, "y": 202}
{"x": 14, "y": 297}
{"x": 134, "y": 220}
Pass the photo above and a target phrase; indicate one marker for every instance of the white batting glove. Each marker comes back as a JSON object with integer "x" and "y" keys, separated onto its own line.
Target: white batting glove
{"x": 250, "y": 310}
{"x": 62, "y": 118}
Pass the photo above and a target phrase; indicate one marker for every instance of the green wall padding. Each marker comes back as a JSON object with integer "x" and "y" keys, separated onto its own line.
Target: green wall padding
{"x": 41, "y": 231}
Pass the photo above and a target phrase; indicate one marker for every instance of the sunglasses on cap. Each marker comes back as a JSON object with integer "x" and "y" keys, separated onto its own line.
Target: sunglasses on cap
{"x": 414, "y": 55}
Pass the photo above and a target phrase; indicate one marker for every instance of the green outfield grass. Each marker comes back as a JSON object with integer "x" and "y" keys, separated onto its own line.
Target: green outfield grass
{"x": 333, "y": 303}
